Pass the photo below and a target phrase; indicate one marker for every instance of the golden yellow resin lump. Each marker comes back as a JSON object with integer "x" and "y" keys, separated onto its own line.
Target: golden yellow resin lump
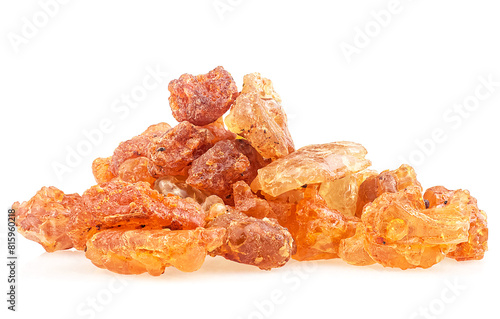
{"x": 258, "y": 116}
{"x": 311, "y": 164}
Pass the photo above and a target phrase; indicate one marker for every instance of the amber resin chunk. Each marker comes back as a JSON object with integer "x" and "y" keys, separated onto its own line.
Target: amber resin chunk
{"x": 247, "y": 202}
{"x": 44, "y": 218}
{"x": 221, "y": 166}
{"x": 248, "y": 240}
{"x": 385, "y": 182}
{"x": 437, "y": 195}
{"x": 101, "y": 170}
{"x": 213, "y": 207}
{"x": 342, "y": 194}
{"x": 202, "y": 99}
{"x": 137, "y": 146}
{"x": 311, "y": 164}
{"x": 173, "y": 152}
{"x": 352, "y": 249}
{"x": 477, "y": 243}
{"x": 235, "y": 187}
{"x": 320, "y": 229}
{"x": 401, "y": 232}
{"x": 138, "y": 251}
{"x": 258, "y": 116}
{"x": 121, "y": 204}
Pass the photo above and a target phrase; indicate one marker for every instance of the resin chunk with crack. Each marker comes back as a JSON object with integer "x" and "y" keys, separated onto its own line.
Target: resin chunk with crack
{"x": 138, "y": 251}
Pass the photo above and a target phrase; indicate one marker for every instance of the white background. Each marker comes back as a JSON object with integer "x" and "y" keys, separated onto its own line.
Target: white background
{"x": 400, "y": 86}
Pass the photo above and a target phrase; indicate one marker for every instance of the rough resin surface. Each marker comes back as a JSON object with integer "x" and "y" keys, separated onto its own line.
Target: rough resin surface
{"x": 44, "y": 218}
{"x": 139, "y": 251}
{"x": 136, "y": 146}
{"x": 176, "y": 185}
{"x": 119, "y": 204}
{"x": 311, "y": 164}
{"x": 259, "y": 242}
{"x": 257, "y": 115}
{"x": 221, "y": 166}
{"x": 342, "y": 194}
{"x": 477, "y": 242}
{"x": 219, "y": 131}
{"x": 202, "y": 99}
{"x": 173, "y": 152}
{"x": 136, "y": 170}
{"x": 101, "y": 170}
{"x": 401, "y": 232}
{"x": 172, "y": 195}
{"x": 385, "y": 182}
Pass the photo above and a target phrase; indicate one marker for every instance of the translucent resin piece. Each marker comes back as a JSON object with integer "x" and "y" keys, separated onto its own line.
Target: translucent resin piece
{"x": 173, "y": 152}
{"x": 352, "y": 249}
{"x": 311, "y": 164}
{"x": 401, "y": 232}
{"x": 136, "y": 146}
{"x": 259, "y": 242}
{"x": 204, "y": 98}
{"x": 119, "y": 204}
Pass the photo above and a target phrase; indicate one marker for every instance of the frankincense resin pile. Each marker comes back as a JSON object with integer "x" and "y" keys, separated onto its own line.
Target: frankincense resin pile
{"x": 172, "y": 195}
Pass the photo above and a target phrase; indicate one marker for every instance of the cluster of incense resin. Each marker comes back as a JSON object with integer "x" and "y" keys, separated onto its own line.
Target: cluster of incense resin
{"x": 236, "y": 187}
